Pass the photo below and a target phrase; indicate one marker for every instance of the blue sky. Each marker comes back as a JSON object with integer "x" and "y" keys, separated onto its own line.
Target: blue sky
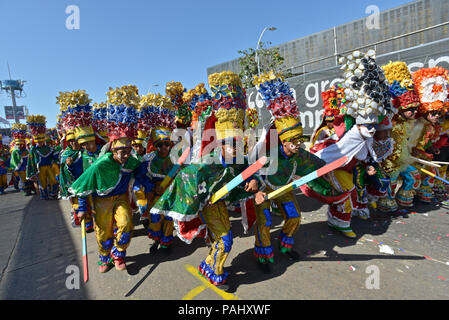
{"x": 145, "y": 42}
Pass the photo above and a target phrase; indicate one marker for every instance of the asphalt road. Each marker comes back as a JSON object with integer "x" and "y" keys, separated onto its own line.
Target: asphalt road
{"x": 394, "y": 257}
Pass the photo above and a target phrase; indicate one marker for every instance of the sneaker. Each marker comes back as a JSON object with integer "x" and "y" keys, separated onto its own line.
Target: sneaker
{"x": 349, "y": 234}
{"x": 223, "y": 286}
{"x": 119, "y": 264}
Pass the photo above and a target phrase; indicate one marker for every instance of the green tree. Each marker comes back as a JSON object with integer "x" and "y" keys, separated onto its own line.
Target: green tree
{"x": 269, "y": 59}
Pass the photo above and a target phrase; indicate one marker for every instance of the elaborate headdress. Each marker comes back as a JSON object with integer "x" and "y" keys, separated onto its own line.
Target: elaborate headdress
{"x": 175, "y": 91}
{"x": 401, "y": 85}
{"x": 99, "y": 119}
{"x": 229, "y": 104}
{"x": 195, "y": 99}
{"x": 19, "y": 132}
{"x": 122, "y": 115}
{"x": 333, "y": 102}
{"x": 76, "y": 115}
{"x": 280, "y": 100}
{"x": 156, "y": 113}
{"x": 36, "y": 124}
{"x": 366, "y": 90}
{"x": 432, "y": 86}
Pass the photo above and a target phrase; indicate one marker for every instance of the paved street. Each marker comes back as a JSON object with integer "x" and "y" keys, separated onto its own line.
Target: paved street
{"x": 38, "y": 245}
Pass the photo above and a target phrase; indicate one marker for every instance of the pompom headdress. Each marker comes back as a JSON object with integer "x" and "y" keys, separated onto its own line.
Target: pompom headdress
{"x": 366, "y": 90}
{"x": 156, "y": 114}
{"x": 401, "y": 85}
{"x": 334, "y": 101}
{"x": 122, "y": 104}
{"x": 432, "y": 86}
{"x": 280, "y": 101}
{"x": 19, "y": 132}
{"x": 37, "y": 127}
{"x": 175, "y": 91}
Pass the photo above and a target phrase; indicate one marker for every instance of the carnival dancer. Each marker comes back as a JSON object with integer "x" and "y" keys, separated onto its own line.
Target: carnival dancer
{"x": 187, "y": 200}
{"x": 292, "y": 161}
{"x": 432, "y": 86}
{"x": 366, "y": 97}
{"x": 4, "y": 165}
{"x": 76, "y": 121}
{"x": 370, "y": 181}
{"x": 40, "y": 159}
{"x": 441, "y": 189}
{"x": 397, "y": 165}
{"x": 107, "y": 180}
{"x": 19, "y": 156}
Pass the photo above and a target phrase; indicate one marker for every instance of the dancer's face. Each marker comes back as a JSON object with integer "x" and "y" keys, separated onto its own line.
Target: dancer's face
{"x": 163, "y": 148}
{"x": 229, "y": 151}
{"x": 409, "y": 113}
{"x": 140, "y": 150}
{"x": 367, "y": 130}
{"x": 382, "y": 135}
{"x": 90, "y": 146}
{"x": 121, "y": 155}
{"x": 74, "y": 145}
{"x": 433, "y": 117}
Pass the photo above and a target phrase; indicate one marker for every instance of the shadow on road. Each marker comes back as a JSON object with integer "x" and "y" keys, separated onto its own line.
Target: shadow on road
{"x": 43, "y": 251}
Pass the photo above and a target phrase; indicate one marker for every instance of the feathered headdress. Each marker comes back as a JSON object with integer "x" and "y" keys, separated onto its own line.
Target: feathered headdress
{"x": 401, "y": 85}
{"x": 432, "y": 86}
{"x": 280, "y": 100}
{"x": 122, "y": 114}
{"x": 366, "y": 90}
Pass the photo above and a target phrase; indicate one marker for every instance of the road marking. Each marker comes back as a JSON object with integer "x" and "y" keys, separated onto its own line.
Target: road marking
{"x": 194, "y": 292}
{"x": 206, "y": 285}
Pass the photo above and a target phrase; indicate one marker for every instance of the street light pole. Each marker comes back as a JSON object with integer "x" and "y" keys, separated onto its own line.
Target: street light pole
{"x": 258, "y": 45}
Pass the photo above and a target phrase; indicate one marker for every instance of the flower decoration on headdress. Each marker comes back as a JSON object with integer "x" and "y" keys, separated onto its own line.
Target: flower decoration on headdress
{"x": 432, "y": 85}
{"x": 333, "y": 102}
{"x": 122, "y": 104}
{"x": 366, "y": 90}
{"x": 401, "y": 85}
{"x": 99, "y": 116}
{"x": 75, "y": 109}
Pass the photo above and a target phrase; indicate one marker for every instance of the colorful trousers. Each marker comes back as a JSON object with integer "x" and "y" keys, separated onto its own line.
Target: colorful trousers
{"x": 142, "y": 203}
{"x": 289, "y": 208}
{"x": 110, "y": 211}
{"x": 161, "y": 227}
{"x": 339, "y": 213}
{"x": 3, "y": 182}
{"x": 48, "y": 186}
{"x": 411, "y": 180}
{"x": 216, "y": 218}
{"x": 425, "y": 191}
{"x": 25, "y": 185}
{"x": 88, "y": 217}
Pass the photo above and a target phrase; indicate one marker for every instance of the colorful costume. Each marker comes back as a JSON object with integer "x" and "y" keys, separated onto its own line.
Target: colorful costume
{"x": 107, "y": 180}
{"x": 4, "y": 165}
{"x": 432, "y": 85}
{"x": 41, "y": 159}
{"x": 161, "y": 118}
{"x": 365, "y": 97}
{"x": 186, "y": 200}
{"x": 280, "y": 101}
{"x": 19, "y": 156}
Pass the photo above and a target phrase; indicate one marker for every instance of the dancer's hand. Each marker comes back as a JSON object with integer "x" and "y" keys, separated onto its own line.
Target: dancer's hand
{"x": 81, "y": 215}
{"x": 260, "y": 197}
{"x": 252, "y": 186}
{"x": 69, "y": 161}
